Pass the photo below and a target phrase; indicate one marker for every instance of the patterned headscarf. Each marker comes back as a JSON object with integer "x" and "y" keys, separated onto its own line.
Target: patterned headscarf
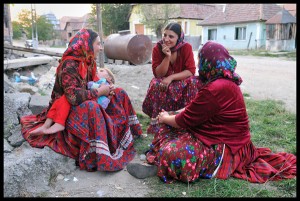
{"x": 80, "y": 48}
{"x": 178, "y": 30}
{"x": 215, "y": 62}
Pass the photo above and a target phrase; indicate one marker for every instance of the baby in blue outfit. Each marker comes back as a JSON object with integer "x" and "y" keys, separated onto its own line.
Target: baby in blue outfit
{"x": 104, "y": 74}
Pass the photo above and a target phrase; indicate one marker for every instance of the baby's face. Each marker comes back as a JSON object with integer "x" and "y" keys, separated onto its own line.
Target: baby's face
{"x": 102, "y": 73}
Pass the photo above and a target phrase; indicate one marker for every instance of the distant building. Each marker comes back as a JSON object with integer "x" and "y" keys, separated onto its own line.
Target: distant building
{"x": 52, "y": 18}
{"x": 69, "y": 26}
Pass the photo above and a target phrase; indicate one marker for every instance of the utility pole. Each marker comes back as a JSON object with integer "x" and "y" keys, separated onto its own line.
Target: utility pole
{"x": 99, "y": 23}
{"x": 34, "y": 27}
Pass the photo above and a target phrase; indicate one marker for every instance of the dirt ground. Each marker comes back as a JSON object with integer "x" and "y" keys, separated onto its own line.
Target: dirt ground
{"x": 263, "y": 78}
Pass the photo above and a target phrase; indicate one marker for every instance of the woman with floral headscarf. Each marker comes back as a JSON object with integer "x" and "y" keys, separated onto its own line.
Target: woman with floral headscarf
{"x": 97, "y": 139}
{"x": 174, "y": 84}
{"x": 210, "y": 137}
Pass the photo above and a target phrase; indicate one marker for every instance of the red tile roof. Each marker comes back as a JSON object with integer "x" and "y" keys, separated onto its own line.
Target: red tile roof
{"x": 240, "y": 13}
{"x": 74, "y": 22}
{"x": 194, "y": 11}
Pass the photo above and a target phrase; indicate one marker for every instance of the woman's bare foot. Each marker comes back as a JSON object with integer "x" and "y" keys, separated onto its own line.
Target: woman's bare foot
{"x": 54, "y": 128}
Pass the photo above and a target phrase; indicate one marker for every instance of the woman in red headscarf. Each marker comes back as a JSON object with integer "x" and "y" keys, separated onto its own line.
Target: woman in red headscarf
{"x": 210, "y": 137}
{"x": 174, "y": 84}
{"x": 97, "y": 139}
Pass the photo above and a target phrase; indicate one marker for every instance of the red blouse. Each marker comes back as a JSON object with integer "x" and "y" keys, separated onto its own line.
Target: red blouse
{"x": 184, "y": 61}
{"x": 217, "y": 115}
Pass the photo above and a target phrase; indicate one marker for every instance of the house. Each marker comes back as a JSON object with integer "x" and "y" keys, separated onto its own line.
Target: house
{"x": 69, "y": 26}
{"x": 188, "y": 15}
{"x": 281, "y": 32}
{"x": 239, "y": 26}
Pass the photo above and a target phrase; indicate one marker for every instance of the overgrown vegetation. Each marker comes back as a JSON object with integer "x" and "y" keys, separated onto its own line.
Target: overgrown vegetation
{"x": 271, "y": 126}
{"x": 115, "y": 17}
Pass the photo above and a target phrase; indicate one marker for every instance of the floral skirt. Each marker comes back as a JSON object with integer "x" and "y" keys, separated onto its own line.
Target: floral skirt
{"x": 178, "y": 95}
{"x": 180, "y": 156}
{"x": 98, "y": 139}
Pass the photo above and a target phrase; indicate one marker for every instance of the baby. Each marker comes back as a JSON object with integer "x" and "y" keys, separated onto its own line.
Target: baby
{"x": 59, "y": 111}
{"x": 104, "y": 75}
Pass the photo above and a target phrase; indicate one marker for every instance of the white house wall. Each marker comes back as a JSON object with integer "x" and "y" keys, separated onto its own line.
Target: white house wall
{"x": 226, "y": 33}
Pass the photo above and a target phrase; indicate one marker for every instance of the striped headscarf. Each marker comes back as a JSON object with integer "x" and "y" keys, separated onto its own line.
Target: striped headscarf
{"x": 215, "y": 62}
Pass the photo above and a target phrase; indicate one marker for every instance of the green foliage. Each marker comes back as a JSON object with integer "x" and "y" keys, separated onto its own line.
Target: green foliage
{"x": 157, "y": 16}
{"x": 44, "y": 27}
{"x": 271, "y": 126}
{"x": 17, "y": 30}
{"x": 114, "y": 17}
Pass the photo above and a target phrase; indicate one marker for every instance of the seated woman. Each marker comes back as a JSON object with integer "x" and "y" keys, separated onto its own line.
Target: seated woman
{"x": 59, "y": 111}
{"x": 97, "y": 139}
{"x": 210, "y": 137}
{"x": 174, "y": 84}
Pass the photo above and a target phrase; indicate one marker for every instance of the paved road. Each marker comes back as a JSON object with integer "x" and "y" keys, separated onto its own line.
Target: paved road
{"x": 269, "y": 78}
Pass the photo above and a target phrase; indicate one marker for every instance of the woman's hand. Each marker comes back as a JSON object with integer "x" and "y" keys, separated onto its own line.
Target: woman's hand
{"x": 162, "y": 116}
{"x": 112, "y": 90}
{"x": 166, "y": 50}
{"x": 164, "y": 84}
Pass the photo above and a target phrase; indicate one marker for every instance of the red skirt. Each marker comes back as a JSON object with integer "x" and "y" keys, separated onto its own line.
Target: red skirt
{"x": 180, "y": 156}
{"x": 257, "y": 165}
{"x": 99, "y": 139}
{"x": 178, "y": 95}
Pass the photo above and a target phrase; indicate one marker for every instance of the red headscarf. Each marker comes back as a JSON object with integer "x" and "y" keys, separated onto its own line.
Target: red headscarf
{"x": 80, "y": 48}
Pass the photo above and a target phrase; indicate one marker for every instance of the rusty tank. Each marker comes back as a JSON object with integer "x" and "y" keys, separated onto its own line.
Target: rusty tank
{"x": 135, "y": 48}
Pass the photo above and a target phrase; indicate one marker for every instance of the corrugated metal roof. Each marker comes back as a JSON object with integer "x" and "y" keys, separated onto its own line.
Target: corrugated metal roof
{"x": 282, "y": 17}
{"x": 239, "y": 13}
{"x": 292, "y": 8}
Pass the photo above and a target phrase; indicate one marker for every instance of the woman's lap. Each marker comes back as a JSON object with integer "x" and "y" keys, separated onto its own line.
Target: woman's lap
{"x": 179, "y": 94}
{"x": 179, "y": 156}
{"x": 91, "y": 135}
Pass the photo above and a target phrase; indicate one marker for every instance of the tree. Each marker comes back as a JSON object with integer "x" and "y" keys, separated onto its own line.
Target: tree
{"x": 114, "y": 17}
{"x": 17, "y": 30}
{"x": 156, "y": 16}
{"x": 45, "y": 29}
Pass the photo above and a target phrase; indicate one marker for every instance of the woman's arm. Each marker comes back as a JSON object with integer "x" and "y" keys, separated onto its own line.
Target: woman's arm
{"x": 72, "y": 85}
{"x": 177, "y": 76}
{"x": 166, "y": 118}
{"x": 162, "y": 69}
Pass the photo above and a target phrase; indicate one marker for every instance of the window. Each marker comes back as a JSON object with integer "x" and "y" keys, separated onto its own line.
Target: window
{"x": 212, "y": 34}
{"x": 271, "y": 31}
{"x": 240, "y": 33}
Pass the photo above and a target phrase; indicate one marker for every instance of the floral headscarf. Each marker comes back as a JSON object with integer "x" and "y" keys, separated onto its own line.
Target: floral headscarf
{"x": 180, "y": 41}
{"x": 215, "y": 62}
{"x": 80, "y": 48}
